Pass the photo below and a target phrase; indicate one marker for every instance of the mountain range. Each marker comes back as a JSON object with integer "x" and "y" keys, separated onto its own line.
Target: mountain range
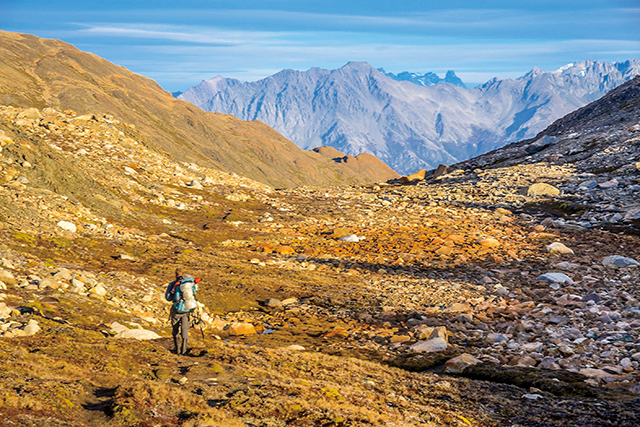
{"x": 358, "y": 109}
{"x": 43, "y": 73}
{"x": 426, "y": 79}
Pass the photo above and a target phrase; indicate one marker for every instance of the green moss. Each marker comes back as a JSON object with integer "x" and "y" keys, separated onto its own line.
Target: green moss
{"x": 125, "y": 416}
{"x": 61, "y": 242}
{"x": 23, "y": 237}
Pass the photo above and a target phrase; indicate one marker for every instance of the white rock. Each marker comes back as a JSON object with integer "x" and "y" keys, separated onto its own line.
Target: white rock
{"x": 31, "y": 329}
{"x": 99, "y": 289}
{"x": 555, "y": 278}
{"x": 350, "y": 238}
{"x": 68, "y": 226}
{"x": 138, "y": 334}
{"x": 430, "y": 346}
{"x": 294, "y": 347}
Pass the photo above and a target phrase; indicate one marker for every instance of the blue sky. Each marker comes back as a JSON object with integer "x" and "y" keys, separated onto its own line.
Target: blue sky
{"x": 179, "y": 43}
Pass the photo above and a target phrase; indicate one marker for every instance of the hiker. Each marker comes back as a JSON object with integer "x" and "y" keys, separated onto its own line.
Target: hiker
{"x": 182, "y": 292}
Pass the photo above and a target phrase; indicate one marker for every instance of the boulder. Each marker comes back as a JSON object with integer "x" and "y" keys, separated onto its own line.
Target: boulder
{"x": 7, "y": 277}
{"x": 620, "y": 261}
{"x": 417, "y": 176}
{"x": 49, "y": 282}
{"x": 555, "y": 278}
{"x": 559, "y": 249}
{"x": 542, "y": 189}
{"x": 138, "y": 334}
{"x": 241, "y": 328}
{"x": 68, "y": 226}
{"x": 295, "y": 347}
{"x": 440, "y": 171}
{"x": 350, "y": 238}
{"x": 273, "y": 303}
{"x": 458, "y": 364}
{"x": 430, "y": 346}
{"x": 489, "y": 243}
{"x": 32, "y": 328}
{"x": 99, "y": 290}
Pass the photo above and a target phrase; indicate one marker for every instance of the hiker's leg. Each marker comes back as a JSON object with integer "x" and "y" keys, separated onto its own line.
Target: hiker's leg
{"x": 177, "y": 341}
{"x": 184, "y": 322}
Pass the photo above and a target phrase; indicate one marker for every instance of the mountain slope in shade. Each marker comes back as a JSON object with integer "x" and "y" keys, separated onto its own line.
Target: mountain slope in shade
{"x": 358, "y": 109}
{"x": 602, "y": 137}
{"x": 49, "y": 73}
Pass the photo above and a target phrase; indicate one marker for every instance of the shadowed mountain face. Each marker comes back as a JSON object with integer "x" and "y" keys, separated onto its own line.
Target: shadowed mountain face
{"x": 48, "y": 73}
{"x": 601, "y": 135}
{"x": 358, "y": 109}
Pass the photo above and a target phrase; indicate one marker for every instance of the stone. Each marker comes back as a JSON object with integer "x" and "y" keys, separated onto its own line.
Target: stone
{"x": 7, "y": 277}
{"x": 138, "y": 334}
{"x": 417, "y": 176}
{"x": 399, "y": 339}
{"x": 294, "y": 347}
{"x": 559, "y": 249}
{"x": 489, "y": 243}
{"x": 273, "y": 303}
{"x": 77, "y": 286}
{"x": 441, "y": 170}
{"x": 430, "y": 346}
{"x": 555, "y": 278}
{"x": 620, "y": 261}
{"x": 542, "y": 189}
{"x": 458, "y": 364}
{"x": 67, "y": 226}
{"x": 99, "y": 290}
{"x": 241, "y": 328}
{"x": 350, "y": 238}
{"x": 31, "y": 329}
{"x": 195, "y": 184}
{"x": 118, "y": 327}
{"x": 5, "y": 312}
{"x": 609, "y": 184}
{"x": 532, "y": 396}
{"x": 594, "y": 373}
{"x": 445, "y": 250}
{"x": 49, "y": 282}
{"x": 63, "y": 274}
{"x": 496, "y": 338}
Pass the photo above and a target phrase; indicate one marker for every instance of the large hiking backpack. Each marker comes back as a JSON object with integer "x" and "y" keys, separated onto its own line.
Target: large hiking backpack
{"x": 184, "y": 295}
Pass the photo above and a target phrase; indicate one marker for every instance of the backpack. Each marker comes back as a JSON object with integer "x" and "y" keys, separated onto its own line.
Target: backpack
{"x": 183, "y": 294}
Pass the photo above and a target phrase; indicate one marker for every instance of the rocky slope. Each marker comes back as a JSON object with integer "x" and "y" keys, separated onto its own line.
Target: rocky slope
{"x": 49, "y": 73}
{"x": 358, "y": 109}
{"x": 465, "y": 300}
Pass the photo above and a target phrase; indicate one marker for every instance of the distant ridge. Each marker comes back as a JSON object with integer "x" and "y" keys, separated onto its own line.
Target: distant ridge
{"x": 356, "y": 109}
{"x": 426, "y": 79}
{"x": 49, "y": 73}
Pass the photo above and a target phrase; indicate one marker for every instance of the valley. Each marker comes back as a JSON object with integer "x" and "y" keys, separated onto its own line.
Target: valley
{"x": 501, "y": 290}
{"x": 323, "y": 305}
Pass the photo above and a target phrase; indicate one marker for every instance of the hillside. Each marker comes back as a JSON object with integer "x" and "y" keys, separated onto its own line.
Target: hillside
{"x": 48, "y": 73}
{"x": 358, "y": 109}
